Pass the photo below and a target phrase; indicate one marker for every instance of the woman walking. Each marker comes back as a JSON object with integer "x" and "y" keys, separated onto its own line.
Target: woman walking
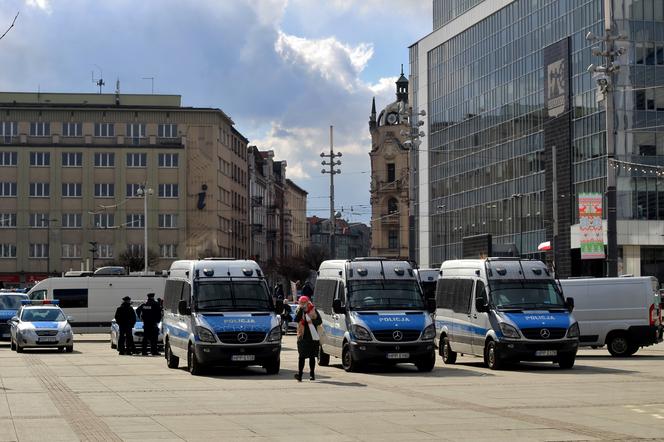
{"x": 307, "y": 319}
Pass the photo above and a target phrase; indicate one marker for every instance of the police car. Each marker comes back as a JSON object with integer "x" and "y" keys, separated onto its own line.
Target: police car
{"x": 41, "y": 324}
{"x": 137, "y": 332}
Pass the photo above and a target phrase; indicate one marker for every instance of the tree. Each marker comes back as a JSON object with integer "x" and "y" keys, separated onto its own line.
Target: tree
{"x": 134, "y": 260}
{"x": 313, "y": 256}
{"x": 293, "y": 268}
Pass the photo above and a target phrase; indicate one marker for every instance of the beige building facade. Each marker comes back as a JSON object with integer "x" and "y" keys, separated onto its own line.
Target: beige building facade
{"x": 296, "y": 228}
{"x": 71, "y": 166}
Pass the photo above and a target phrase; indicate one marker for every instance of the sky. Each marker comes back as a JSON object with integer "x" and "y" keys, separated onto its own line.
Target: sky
{"x": 283, "y": 70}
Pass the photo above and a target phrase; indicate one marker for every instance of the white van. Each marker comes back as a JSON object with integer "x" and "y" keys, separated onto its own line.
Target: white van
{"x": 373, "y": 310}
{"x": 92, "y": 300}
{"x": 504, "y": 310}
{"x": 622, "y": 313}
{"x": 219, "y": 311}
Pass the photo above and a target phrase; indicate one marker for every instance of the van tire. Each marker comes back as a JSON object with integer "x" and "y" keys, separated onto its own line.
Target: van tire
{"x": 449, "y": 356}
{"x": 193, "y": 365}
{"x": 619, "y": 345}
{"x": 347, "y": 361}
{"x": 491, "y": 357}
{"x": 566, "y": 360}
{"x": 427, "y": 363}
{"x": 172, "y": 361}
{"x": 323, "y": 358}
{"x": 273, "y": 365}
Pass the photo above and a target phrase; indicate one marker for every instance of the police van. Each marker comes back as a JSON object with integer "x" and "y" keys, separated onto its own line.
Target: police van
{"x": 219, "y": 311}
{"x": 504, "y": 310}
{"x": 373, "y": 310}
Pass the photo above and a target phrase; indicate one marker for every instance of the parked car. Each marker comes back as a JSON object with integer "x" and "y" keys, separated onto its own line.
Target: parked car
{"x": 137, "y": 332}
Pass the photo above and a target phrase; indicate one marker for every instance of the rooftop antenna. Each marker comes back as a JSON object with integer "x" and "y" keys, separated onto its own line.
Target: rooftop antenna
{"x": 151, "y": 83}
{"x": 98, "y": 81}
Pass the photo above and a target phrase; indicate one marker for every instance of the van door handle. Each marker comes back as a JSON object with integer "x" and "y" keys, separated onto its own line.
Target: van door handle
{"x": 475, "y": 316}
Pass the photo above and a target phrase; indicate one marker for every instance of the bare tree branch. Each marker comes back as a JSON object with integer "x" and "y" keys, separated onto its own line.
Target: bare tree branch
{"x": 10, "y": 27}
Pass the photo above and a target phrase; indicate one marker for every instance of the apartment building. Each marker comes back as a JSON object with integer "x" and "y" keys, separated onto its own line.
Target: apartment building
{"x": 296, "y": 229}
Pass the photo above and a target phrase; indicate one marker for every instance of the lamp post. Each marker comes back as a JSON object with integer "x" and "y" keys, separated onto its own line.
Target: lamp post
{"x": 515, "y": 197}
{"x": 93, "y": 250}
{"x": 441, "y": 210}
{"x": 48, "y": 241}
{"x": 143, "y": 191}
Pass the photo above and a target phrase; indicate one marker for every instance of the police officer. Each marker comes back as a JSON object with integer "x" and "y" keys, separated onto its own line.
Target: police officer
{"x": 150, "y": 314}
{"x": 126, "y": 319}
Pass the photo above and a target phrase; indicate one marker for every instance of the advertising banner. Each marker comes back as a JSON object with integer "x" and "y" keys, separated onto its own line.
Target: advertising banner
{"x": 590, "y": 226}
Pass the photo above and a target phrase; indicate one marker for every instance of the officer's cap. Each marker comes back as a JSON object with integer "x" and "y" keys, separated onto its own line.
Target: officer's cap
{"x": 150, "y": 295}
{"x": 126, "y": 298}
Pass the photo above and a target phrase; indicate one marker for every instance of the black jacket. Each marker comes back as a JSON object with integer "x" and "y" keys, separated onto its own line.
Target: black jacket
{"x": 125, "y": 315}
{"x": 307, "y": 347}
{"x": 149, "y": 312}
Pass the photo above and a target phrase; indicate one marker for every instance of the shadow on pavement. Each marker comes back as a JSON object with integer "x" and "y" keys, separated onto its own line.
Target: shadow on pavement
{"x": 548, "y": 368}
{"x": 341, "y": 384}
{"x": 406, "y": 370}
{"x": 608, "y": 357}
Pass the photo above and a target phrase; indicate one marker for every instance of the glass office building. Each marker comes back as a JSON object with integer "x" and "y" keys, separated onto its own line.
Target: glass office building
{"x": 485, "y": 165}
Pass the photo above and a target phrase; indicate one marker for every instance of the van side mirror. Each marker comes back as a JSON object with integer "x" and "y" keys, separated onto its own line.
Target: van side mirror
{"x": 337, "y": 307}
{"x": 183, "y": 309}
{"x": 431, "y": 305}
{"x": 480, "y": 305}
{"x": 279, "y": 306}
{"x": 570, "y": 303}
{"x": 71, "y": 318}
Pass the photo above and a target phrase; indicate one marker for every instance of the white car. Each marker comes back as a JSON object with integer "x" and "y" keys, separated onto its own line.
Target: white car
{"x": 41, "y": 324}
{"x": 290, "y": 325}
{"x": 137, "y": 332}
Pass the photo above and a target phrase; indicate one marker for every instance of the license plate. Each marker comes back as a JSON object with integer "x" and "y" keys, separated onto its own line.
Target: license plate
{"x": 546, "y": 353}
{"x": 243, "y": 358}
{"x": 398, "y": 355}
{"x": 47, "y": 339}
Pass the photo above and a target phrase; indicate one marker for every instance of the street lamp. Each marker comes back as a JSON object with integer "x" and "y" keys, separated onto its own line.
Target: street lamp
{"x": 518, "y": 196}
{"x": 48, "y": 240}
{"x": 142, "y": 192}
{"x": 93, "y": 250}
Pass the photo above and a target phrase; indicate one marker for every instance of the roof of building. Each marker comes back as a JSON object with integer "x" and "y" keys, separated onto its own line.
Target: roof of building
{"x": 296, "y": 187}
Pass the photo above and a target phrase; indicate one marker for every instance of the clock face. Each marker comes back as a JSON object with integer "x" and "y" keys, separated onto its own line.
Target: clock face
{"x": 392, "y": 118}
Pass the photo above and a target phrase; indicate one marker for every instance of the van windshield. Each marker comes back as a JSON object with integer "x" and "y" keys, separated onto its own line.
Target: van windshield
{"x": 525, "y": 294}
{"x": 232, "y": 295}
{"x": 11, "y": 302}
{"x": 385, "y": 295}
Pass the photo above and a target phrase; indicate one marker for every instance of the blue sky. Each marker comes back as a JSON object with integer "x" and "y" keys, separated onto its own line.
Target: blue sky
{"x": 284, "y": 70}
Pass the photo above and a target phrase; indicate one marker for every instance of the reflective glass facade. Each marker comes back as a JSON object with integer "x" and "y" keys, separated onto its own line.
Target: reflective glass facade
{"x": 445, "y": 11}
{"x": 487, "y": 116}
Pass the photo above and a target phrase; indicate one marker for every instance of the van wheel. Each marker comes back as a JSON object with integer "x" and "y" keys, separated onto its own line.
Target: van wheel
{"x": 323, "y": 358}
{"x": 349, "y": 364}
{"x": 619, "y": 346}
{"x": 491, "y": 358}
{"x": 566, "y": 361}
{"x": 449, "y": 356}
{"x": 193, "y": 364}
{"x": 272, "y": 366}
{"x": 171, "y": 360}
{"x": 427, "y": 363}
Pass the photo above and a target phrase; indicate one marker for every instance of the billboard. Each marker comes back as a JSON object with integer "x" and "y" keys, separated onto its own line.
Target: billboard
{"x": 590, "y": 226}
{"x": 556, "y": 78}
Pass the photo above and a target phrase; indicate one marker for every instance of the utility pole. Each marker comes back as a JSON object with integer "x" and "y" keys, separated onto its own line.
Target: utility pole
{"x": 605, "y": 76}
{"x": 93, "y": 250}
{"x": 143, "y": 191}
{"x": 332, "y": 172}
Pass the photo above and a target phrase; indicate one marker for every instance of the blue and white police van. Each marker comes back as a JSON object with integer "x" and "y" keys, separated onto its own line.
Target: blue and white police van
{"x": 219, "y": 312}
{"x": 504, "y": 310}
{"x": 10, "y": 302}
{"x": 373, "y": 311}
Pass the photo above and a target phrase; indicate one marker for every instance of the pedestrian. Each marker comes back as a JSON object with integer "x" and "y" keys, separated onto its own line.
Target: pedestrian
{"x": 307, "y": 319}
{"x": 150, "y": 314}
{"x": 279, "y": 292}
{"x": 286, "y": 317}
{"x": 307, "y": 290}
{"x": 125, "y": 317}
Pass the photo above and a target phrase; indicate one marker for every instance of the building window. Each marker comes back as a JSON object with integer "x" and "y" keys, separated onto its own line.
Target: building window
{"x": 8, "y": 158}
{"x": 168, "y": 221}
{"x": 104, "y": 190}
{"x": 7, "y": 189}
{"x": 72, "y": 129}
{"x": 393, "y": 239}
{"x": 168, "y": 160}
{"x": 72, "y": 159}
{"x": 8, "y": 220}
{"x": 40, "y": 129}
{"x": 41, "y": 190}
{"x": 391, "y": 173}
{"x": 72, "y": 190}
{"x": 137, "y": 160}
{"x": 40, "y": 159}
{"x": 8, "y": 130}
{"x": 71, "y": 250}
{"x": 135, "y": 221}
{"x": 7, "y": 250}
{"x": 168, "y": 191}
{"x": 392, "y": 206}
{"x": 104, "y": 130}
{"x": 38, "y": 251}
{"x": 132, "y": 190}
{"x": 38, "y": 220}
{"x": 168, "y": 250}
{"x": 72, "y": 220}
{"x": 103, "y": 220}
{"x": 135, "y": 249}
{"x": 104, "y": 159}
{"x": 167, "y": 131}
{"x": 104, "y": 251}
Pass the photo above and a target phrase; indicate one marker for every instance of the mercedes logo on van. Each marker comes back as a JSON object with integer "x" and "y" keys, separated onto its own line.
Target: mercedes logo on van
{"x": 545, "y": 333}
{"x": 242, "y": 337}
{"x": 397, "y": 335}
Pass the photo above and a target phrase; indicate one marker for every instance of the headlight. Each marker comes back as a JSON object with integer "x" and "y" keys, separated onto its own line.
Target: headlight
{"x": 274, "y": 335}
{"x": 509, "y": 331}
{"x": 204, "y": 334}
{"x": 429, "y": 333}
{"x": 66, "y": 329}
{"x": 573, "y": 331}
{"x": 26, "y": 331}
{"x": 360, "y": 333}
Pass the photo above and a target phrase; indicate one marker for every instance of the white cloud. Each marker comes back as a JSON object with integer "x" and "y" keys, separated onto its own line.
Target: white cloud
{"x": 268, "y": 12}
{"x": 44, "y": 5}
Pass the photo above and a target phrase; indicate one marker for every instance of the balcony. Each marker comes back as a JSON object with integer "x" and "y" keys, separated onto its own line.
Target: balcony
{"x": 390, "y": 219}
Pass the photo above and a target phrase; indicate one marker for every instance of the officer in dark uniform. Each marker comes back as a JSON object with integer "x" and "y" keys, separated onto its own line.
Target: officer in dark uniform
{"x": 125, "y": 317}
{"x": 150, "y": 314}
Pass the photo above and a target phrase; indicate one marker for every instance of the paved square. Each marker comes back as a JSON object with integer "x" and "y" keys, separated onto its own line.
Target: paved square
{"x": 95, "y": 394}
